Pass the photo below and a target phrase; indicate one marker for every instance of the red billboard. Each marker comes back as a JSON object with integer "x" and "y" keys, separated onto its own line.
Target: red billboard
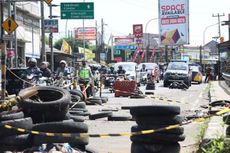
{"x": 138, "y": 30}
{"x": 87, "y": 33}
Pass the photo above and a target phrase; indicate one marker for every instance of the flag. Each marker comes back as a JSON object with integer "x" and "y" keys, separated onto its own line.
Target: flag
{"x": 66, "y": 48}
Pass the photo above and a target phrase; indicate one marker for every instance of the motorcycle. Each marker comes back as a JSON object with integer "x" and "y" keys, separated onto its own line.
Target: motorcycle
{"x": 109, "y": 81}
{"x": 35, "y": 80}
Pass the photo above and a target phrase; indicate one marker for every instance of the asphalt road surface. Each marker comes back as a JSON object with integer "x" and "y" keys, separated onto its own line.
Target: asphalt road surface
{"x": 189, "y": 100}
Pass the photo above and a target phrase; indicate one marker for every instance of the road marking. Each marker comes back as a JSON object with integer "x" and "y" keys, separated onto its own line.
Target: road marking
{"x": 196, "y": 102}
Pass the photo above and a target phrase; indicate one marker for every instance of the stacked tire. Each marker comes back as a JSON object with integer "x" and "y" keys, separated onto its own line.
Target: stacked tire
{"x": 49, "y": 105}
{"x": 49, "y": 109}
{"x": 226, "y": 119}
{"x": 11, "y": 139}
{"x": 156, "y": 117}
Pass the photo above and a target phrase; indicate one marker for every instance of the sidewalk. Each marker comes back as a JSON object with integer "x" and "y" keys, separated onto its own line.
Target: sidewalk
{"x": 218, "y": 91}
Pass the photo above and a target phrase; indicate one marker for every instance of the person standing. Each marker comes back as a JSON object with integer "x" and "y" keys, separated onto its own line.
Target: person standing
{"x": 85, "y": 78}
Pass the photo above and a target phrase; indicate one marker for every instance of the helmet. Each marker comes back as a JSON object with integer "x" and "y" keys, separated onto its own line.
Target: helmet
{"x": 32, "y": 60}
{"x": 63, "y": 62}
{"x": 45, "y": 63}
{"x": 120, "y": 67}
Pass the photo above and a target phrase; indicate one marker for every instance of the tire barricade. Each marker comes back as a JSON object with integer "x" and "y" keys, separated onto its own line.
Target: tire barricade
{"x": 46, "y": 110}
{"x": 154, "y": 117}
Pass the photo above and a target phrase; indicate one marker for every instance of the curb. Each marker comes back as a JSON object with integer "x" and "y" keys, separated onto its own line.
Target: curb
{"x": 215, "y": 126}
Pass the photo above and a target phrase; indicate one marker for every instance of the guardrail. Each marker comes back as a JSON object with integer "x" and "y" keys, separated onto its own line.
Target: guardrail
{"x": 226, "y": 77}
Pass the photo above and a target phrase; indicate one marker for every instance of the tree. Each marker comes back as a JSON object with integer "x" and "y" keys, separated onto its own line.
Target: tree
{"x": 72, "y": 42}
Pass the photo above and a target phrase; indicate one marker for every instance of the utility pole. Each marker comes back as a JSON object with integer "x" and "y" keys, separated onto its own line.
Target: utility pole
{"x": 96, "y": 48}
{"x": 15, "y": 36}
{"x": 43, "y": 50}
{"x": 51, "y": 42}
{"x": 112, "y": 52}
{"x": 3, "y": 56}
{"x": 10, "y": 41}
{"x": 219, "y": 64}
{"x": 102, "y": 39}
{"x": 166, "y": 54}
{"x": 201, "y": 57}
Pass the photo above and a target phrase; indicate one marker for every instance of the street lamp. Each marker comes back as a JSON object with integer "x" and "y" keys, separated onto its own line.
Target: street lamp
{"x": 205, "y": 32}
{"x": 146, "y": 26}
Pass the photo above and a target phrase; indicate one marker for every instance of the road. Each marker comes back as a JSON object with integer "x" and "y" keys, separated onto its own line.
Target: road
{"x": 189, "y": 101}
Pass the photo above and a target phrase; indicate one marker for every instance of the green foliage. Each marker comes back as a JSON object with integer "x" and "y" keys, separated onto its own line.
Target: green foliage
{"x": 46, "y": 40}
{"x": 216, "y": 146}
{"x": 203, "y": 128}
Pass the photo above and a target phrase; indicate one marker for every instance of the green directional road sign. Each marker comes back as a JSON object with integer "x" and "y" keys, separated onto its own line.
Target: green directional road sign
{"x": 77, "y": 10}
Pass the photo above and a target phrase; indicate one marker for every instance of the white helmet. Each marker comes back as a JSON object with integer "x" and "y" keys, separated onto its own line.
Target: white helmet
{"x": 63, "y": 62}
{"x": 45, "y": 63}
{"x": 33, "y": 60}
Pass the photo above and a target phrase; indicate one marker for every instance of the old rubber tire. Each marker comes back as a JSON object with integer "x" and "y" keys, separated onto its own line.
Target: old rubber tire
{"x": 137, "y": 96}
{"x": 157, "y": 138}
{"x": 94, "y": 102}
{"x": 78, "y": 105}
{"x": 178, "y": 130}
{"x": 24, "y": 123}
{"x": 16, "y": 140}
{"x": 100, "y": 115}
{"x": 77, "y": 118}
{"x": 11, "y": 116}
{"x": 79, "y": 113}
{"x": 145, "y": 148}
{"x": 156, "y": 120}
{"x": 126, "y": 107}
{"x": 104, "y": 99}
{"x": 80, "y": 109}
{"x": 60, "y": 127}
{"x": 226, "y": 118}
{"x": 169, "y": 148}
{"x": 78, "y": 93}
{"x": 228, "y": 131}
{"x": 119, "y": 118}
{"x": 154, "y": 110}
{"x": 53, "y": 106}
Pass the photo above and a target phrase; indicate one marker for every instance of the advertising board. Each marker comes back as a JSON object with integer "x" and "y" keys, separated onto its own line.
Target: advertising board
{"x": 174, "y": 22}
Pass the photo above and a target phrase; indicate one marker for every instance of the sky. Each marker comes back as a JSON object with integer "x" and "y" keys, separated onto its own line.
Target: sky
{"x": 120, "y": 15}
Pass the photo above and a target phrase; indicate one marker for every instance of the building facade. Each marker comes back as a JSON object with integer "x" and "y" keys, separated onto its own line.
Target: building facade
{"x": 27, "y": 34}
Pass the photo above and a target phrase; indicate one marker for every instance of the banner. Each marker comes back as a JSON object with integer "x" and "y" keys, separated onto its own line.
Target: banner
{"x": 89, "y": 55}
{"x": 66, "y": 48}
{"x": 124, "y": 41}
{"x": 87, "y": 33}
{"x": 138, "y": 30}
{"x": 174, "y": 22}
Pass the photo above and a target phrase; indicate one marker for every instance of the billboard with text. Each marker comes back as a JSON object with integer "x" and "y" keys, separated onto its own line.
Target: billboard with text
{"x": 87, "y": 33}
{"x": 174, "y": 22}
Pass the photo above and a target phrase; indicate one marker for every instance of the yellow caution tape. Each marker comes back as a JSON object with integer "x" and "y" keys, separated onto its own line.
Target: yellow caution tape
{"x": 225, "y": 110}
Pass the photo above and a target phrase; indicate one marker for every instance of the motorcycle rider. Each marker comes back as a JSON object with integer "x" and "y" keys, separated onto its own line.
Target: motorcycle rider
{"x": 46, "y": 72}
{"x": 62, "y": 69}
{"x": 32, "y": 68}
{"x": 143, "y": 69}
{"x": 85, "y": 78}
{"x": 112, "y": 71}
{"x": 120, "y": 70}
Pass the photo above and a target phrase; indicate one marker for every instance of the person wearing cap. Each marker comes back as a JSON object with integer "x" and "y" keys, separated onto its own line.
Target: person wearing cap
{"x": 46, "y": 72}
{"x": 62, "y": 69}
{"x": 85, "y": 77}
